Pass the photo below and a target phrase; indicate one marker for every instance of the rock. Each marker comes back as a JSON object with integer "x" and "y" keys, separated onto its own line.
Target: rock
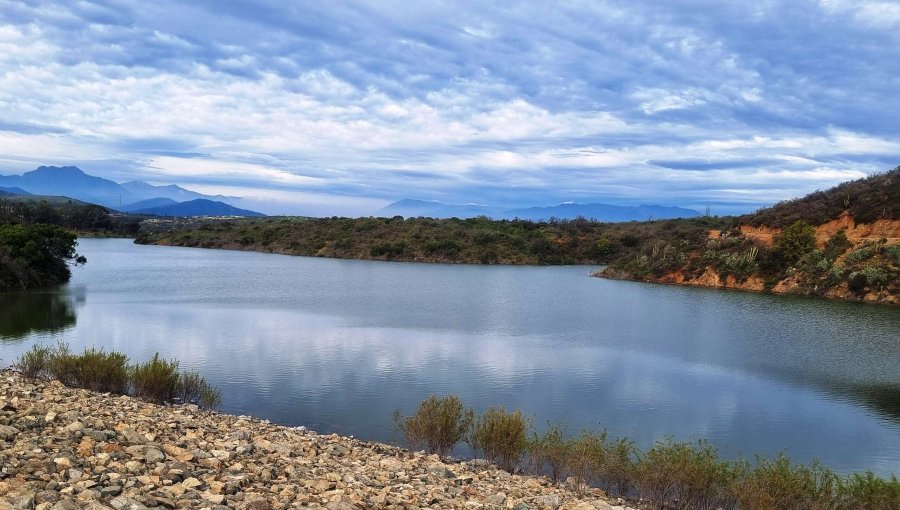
{"x": 72, "y": 448}
{"x": 75, "y": 426}
{"x": 8, "y": 433}
{"x": 62, "y": 464}
{"x": 496, "y": 499}
{"x": 66, "y": 505}
{"x": 441, "y": 471}
{"x": 110, "y": 491}
{"x": 153, "y": 455}
{"x": 391, "y": 464}
{"x": 46, "y": 496}
{"x": 548, "y": 501}
{"x": 256, "y": 504}
{"x": 131, "y": 436}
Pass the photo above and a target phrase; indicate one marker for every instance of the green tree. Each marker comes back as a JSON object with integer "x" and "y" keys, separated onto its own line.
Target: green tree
{"x": 796, "y": 241}
{"x": 36, "y": 255}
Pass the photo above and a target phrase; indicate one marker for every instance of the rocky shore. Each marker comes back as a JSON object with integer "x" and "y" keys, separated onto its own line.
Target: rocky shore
{"x": 64, "y": 448}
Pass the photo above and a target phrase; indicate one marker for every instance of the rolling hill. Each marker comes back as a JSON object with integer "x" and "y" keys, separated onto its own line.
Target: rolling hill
{"x": 198, "y": 207}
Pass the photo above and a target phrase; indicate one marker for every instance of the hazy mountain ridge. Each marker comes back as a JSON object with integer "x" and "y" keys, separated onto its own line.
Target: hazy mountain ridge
{"x": 198, "y": 207}
{"x": 73, "y": 182}
{"x": 601, "y": 212}
{"x": 12, "y": 191}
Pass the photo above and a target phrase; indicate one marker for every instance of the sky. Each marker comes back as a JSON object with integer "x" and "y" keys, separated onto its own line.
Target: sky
{"x": 339, "y": 108}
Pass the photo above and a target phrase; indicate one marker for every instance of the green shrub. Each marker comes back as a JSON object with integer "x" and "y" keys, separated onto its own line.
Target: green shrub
{"x": 865, "y": 490}
{"x": 550, "y": 452}
{"x": 190, "y": 384}
{"x": 892, "y": 254}
{"x": 97, "y": 370}
{"x": 439, "y": 423}
{"x": 685, "y": 475}
{"x": 859, "y": 255}
{"x": 781, "y": 485}
{"x": 836, "y": 245}
{"x": 155, "y": 380}
{"x": 63, "y": 365}
{"x": 500, "y": 436}
{"x": 34, "y": 363}
{"x": 616, "y": 474}
{"x": 796, "y": 241}
{"x": 210, "y": 396}
{"x": 192, "y": 388}
{"x": 587, "y": 454}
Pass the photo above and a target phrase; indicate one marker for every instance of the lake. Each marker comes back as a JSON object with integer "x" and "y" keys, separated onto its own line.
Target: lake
{"x": 337, "y": 345}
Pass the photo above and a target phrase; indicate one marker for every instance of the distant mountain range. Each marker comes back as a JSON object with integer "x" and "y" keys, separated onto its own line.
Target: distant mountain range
{"x": 13, "y": 191}
{"x": 198, "y": 207}
{"x": 133, "y": 196}
{"x": 600, "y": 212}
{"x": 71, "y": 181}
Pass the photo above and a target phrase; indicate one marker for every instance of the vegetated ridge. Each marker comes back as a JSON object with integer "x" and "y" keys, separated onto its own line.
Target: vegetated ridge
{"x": 840, "y": 243}
{"x": 824, "y": 250}
{"x": 198, "y": 207}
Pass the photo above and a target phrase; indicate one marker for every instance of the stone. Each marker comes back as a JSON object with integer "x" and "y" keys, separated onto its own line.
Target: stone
{"x": 110, "y": 491}
{"x": 496, "y": 499}
{"x": 99, "y": 451}
{"x": 75, "y": 426}
{"x": 7, "y": 432}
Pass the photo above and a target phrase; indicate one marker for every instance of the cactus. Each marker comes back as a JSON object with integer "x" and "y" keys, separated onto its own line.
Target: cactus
{"x": 751, "y": 255}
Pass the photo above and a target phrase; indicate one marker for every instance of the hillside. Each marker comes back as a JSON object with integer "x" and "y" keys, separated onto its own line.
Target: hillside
{"x": 840, "y": 243}
{"x": 839, "y": 257}
{"x": 198, "y": 207}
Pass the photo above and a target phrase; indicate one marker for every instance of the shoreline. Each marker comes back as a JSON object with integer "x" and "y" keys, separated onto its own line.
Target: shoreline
{"x": 888, "y": 300}
{"x": 100, "y": 451}
{"x": 885, "y": 300}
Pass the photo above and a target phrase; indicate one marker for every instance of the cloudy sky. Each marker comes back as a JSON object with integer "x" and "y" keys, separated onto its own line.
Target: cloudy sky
{"x": 325, "y": 107}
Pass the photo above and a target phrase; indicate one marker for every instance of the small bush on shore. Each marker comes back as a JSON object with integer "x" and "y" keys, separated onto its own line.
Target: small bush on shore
{"x": 62, "y": 365}
{"x": 155, "y": 380}
{"x": 549, "y": 453}
{"x": 865, "y": 490}
{"x": 439, "y": 423}
{"x": 35, "y": 362}
{"x": 97, "y": 370}
{"x": 669, "y": 475}
{"x": 210, "y": 396}
{"x": 500, "y": 436}
{"x": 189, "y": 388}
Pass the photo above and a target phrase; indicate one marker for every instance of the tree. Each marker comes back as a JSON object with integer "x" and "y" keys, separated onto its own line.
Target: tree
{"x": 796, "y": 241}
{"x": 36, "y": 255}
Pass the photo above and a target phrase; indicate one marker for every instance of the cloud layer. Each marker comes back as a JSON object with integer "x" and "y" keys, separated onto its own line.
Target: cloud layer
{"x": 333, "y": 108}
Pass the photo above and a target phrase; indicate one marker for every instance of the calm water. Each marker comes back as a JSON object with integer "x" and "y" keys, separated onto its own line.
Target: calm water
{"x": 336, "y": 345}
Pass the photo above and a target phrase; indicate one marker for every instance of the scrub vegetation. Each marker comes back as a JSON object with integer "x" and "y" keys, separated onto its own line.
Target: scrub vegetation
{"x": 156, "y": 380}
{"x": 681, "y": 250}
{"x": 670, "y": 474}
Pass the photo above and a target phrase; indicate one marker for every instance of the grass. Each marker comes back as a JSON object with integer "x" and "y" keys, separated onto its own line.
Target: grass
{"x": 668, "y": 475}
{"x": 156, "y": 380}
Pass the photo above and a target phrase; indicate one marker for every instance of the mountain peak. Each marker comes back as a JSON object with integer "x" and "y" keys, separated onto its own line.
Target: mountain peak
{"x": 58, "y": 170}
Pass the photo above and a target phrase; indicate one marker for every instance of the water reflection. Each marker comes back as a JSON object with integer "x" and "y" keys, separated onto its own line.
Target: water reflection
{"x": 337, "y": 345}
{"x": 41, "y": 311}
